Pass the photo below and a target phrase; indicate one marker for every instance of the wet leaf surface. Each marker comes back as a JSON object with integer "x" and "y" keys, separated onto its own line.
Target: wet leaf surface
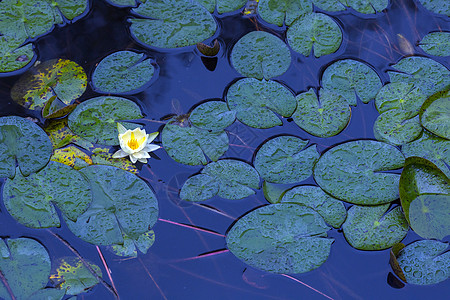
{"x": 283, "y": 11}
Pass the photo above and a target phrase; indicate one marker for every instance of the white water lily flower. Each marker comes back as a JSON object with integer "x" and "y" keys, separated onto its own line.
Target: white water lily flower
{"x": 135, "y": 143}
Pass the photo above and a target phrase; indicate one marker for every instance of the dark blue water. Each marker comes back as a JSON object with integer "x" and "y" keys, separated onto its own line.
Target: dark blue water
{"x": 172, "y": 269}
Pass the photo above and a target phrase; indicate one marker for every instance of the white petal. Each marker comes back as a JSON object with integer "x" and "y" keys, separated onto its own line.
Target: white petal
{"x": 143, "y": 160}
{"x": 141, "y": 154}
{"x": 121, "y": 128}
{"x": 152, "y": 136}
{"x": 151, "y": 147}
{"x": 120, "y": 154}
{"x": 133, "y": 159}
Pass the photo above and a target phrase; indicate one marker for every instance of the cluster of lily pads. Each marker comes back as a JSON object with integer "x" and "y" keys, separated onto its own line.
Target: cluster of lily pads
{"x": 103, "y": 202}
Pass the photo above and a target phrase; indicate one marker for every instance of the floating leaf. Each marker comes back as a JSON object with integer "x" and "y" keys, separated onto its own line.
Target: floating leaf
{"x": 329, "y": 5}
{"x": 55, "y": 108}
{"x": 425, "y": 198}
{"x": 314, "y": 32}
{"x": 273, "y": 192}
{"x": 257, "y": 103}
{"x": 397, "y": 127}
{"x": 130, "y": 246}
{"x": 122, "y": 202}
{"x": 192, "y": 146}
{"x": 24, "y": 141}
{"x": 122, "y": 72}
{"x": 123, "y": 3}
{"x": 31, "y": 200}
{"x": 96, "y": 119}
{"x": 283, "y": 11}
{"x": 425, "y": 262}
{"x": 101, "y": 156}
{"x": 332, "y": 210}
{"x": 200, "y": 187}
{"x": 285, "y": 159}
{"x": 25, "y": 265}
{"x": 48, "y": 294}
{"x": 322, "y": 116}
{"x": 400, "y": 95}
{"x": 371, "y": 228}
{"x": 436, "y": 6}
{"x": 61, "y": 135}
{"x": 281, "y": 238}
{"x": 70, "y": 9}
{"x": 436, "y": 43}
{"x": 356, "y": 172}
{"x": 172, "y": 23}
{"x": 209, "y": 51}
{"x": 212, "y": 115}
{"x": 393, "y": 260}
{"x": 72, "y": 275}
{"x": 351, "y": 78}
{"x": 223, "y": 6}
{"x": 432, "y": 148}
{"x": 13, "y": 56}
{"x": 367, "y": 6}
{"x": 72, "y": 156}
{"x": 260, "y": 55}
{"x": 435, "y": 114}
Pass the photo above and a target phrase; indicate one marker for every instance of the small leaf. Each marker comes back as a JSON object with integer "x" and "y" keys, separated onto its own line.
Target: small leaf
{"x": 130, "y": 246}
{"x": 435, "y": 114}
{"x": 273, "y": 192}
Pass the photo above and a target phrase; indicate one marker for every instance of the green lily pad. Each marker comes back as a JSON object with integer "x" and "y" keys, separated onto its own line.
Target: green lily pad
{"x": 13, "y": 56}
{"x": 122, "y": 72}
{"x": 314, "y": 32}
{"x": 172, "y": 23}
{"x": 48, "y": 294}
{"x": 435, "y": 114}
{"x": 436, "y": 43}
{"x": 257, "y": 103}
{"x": 259, "y": 54}
{"x": 351, "y": 78}
{"x": 24, "y": 141}
{"x": 400, "y": 95}
{"x": 31, "y": 200}
{"x": 280, "y": 12}
{"x": 223, "y": 6}
{"x": 285, "y": 159}
{"x": 322, "y": 116}
{"x": 436, "y": 6}
{"x": 331, "y": 209}
{"x": 367, "y": 6}
{"x": 25, "y": 265}
{"x": 425, "y": 262}
{"x": 62, "y": 78}
{"x": 70, "y": 9}
{"x": 122, "y": 202}
{"x": 72, "y": 156}
{"x": 397, "y": 127}
{"x": 190, "y": 145}
{"x": 72, "y": 275}
{"x": 432, "y": 148}
{"x": 61, "y": 135}
{"x": 281, "y": 238}
{"x": 356, "y": 172}
{"x": 425, "y": 73}
{"x": 329, "y": 5}
{"x": 212, "y": 115}
{"x": 123, "y": 3}
{"x": 55, "y": 108}
{"x": 273, "y": 192}
{"x": 425, "y": 198}
{"x": 96, "y": 119}
{"x": 371, "y": 228}
{"x": 130, "y": 246}
{"x": 199, "y": 187}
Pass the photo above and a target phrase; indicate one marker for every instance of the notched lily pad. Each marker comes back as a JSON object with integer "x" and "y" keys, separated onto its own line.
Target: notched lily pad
{"x": 314, "y": 32}
{"x": 435, "y": 114}
{"x": 259, "y": 54}
{"x": 285, "y": 159}
{"x": 13, "y": 56}
{"x": 70, "y": 9}
{"x": 281, "y": 238}
{"x": 281, "y": 12}
{"x": 131, "y": 246}
{"x": 273, "y": 192}
{"x": 223, "y": 6}
{"x": 437, "y": 6}
{"x": 373, "y": 228}
{"x": 436, "y": 43}
{"x": 358, "y": 172}
{"x": 397, "y": 127}
{"x": 24, "y": 141}
{"x": 72, "y": 156}
{"x": 199, "y": 187}
{"x": 257, "y": 103}
{"x": 212, "y": 115}
{"x": 61, "y": 135}
{"x": 122, "y": 72}
{"x": 351, "y": 78}
{"x": 367, "y": 6}
{"x": 31, "y": 200}
{"x": 96, "y": 119}
{"x": 400, "y": 95}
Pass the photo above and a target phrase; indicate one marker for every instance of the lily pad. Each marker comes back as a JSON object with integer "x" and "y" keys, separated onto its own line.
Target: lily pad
{"x": 31, "y": 200}
{"x": 101, "y": 156}
{"x": 367, "y": 6}
{"x": 331, "y": 209}
{"x": 123, "y": 3}
{"x": 257, "y": 103}
{"x": 61, "y": 135}
{"x": 212, "y": 115}
{"x": 273, "y": 192}
{"x": 72, "y": 275}
{"x": 122, "y": 202}
{"x": 70, "y": 9}
{"x": 436, "y": 6}
{"x": 400, "y": 95}
{"x": 96, "y": 119}
{"x": 172, "y": 23}
{"x": 329, "y": 5}
{"x": 48, "y": 294}
{"x": 25, "y": 265}
{"x": 223, "y": 6}
{"x": 397, "y": 127}
{"x": 13, "y": 56}
{"x": 371, "y": 228}
{"x": 436, "y": 43}
{"x": 425, "y": 198}
{"x": 72, "y": 156}
{"x": 130, "y": 246}
{"x": 322, "y": 116}
{"x": 199, "y": 187}
{"x": 432, "y": 148}
{"x": 314, "y": 32}
{"x": 62, "y": 78}
{"x": 24, "y": 141}
{"x": 285, "y": 159}
{"x": 280, "y": 12}
{"x": 358, "y": 172}
{"x": 55, "y": 108}
{"x": 123, "y": 72}
{"x": 351, "y": 79}
{"x": 259, "y": 54}
{"x": 425, "y": 262}
{"x": 281, "y": 238}
{"x": 435, "y": 114}
{"x": 190, "y": 145}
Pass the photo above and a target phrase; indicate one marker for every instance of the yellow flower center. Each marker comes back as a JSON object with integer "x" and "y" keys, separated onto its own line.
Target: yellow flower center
{"x": 133, "y": 143}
